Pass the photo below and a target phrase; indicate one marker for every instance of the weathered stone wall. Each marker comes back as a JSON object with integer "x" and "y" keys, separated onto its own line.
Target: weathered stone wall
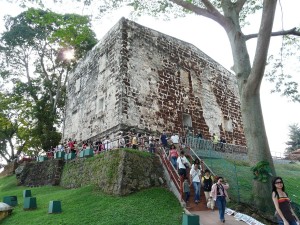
{"x": 117, "y": 172}
{"x": 167, "y": 78}
{"x": 94, "y": 90}
{"x": 146, "y": 80}
{"x": 39, "y": 173}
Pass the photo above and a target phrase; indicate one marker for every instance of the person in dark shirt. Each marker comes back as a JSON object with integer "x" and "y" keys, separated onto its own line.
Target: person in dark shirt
{"x": 284, "y": 212}
{"x": 164, "y": 139}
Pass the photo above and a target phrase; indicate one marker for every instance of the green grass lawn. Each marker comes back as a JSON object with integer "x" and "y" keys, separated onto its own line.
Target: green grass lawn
{"x": 89, "y": 206}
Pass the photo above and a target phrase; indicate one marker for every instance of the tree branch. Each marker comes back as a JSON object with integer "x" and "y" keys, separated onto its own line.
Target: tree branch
{"x": 211, "y": 12}
{"x": 262, "y": 47}
{"x": 4, "y": 156}
{"x": 42, "y": 55}
{"x": 239, "y": 5}
{"x": 292, "y": 31}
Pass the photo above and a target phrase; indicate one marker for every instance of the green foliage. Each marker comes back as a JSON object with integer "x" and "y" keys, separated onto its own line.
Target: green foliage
{"x": 294, "y": 136}
{"x": 88, "y": 206}
{"x": 278, "y": 71}
{"x": 261, "y": 171}
{"x": 38, "y": 39}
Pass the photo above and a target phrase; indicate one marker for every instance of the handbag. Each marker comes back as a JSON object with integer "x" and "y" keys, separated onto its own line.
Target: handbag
{"x": 185, "y": 164}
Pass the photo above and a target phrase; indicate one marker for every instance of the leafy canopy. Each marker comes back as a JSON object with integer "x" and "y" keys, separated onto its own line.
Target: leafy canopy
{"x": 32, "y": 51}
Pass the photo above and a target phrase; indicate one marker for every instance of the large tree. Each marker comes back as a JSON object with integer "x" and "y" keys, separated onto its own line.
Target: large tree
{"x": 38, "y": 50}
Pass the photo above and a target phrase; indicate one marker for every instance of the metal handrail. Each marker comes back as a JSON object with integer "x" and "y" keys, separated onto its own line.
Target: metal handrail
{"x": 172, "y": 171}
{"x": 202, "y": 161}
{"x": 208, "y": 145}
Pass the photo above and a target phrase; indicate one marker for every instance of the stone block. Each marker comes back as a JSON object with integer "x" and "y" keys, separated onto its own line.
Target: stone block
{"x": 59, "y": 155}
{"x": 54, "y": 207}
{"x": 5, "y": 210}
{"x": 70, "y": 156}
{"x": 88, "y": 152}
{"x": 26, "y": 193}
{"x": 42, "y": 158}
{"x": 10, "y": 200}
{"x": 190, "y": 219}
{"x": 81, "y": 154}
{"x": 29, "y": 203}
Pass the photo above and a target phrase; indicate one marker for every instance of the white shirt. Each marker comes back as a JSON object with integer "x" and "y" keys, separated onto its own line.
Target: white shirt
{"x": 175, "y": 139}
{"x": 181, "y": 160}
{"x": 107, "y": 144}
{"x": 151, "y": 139}
{"x": 199, "y": 167}
{"x": 195, "y": 175}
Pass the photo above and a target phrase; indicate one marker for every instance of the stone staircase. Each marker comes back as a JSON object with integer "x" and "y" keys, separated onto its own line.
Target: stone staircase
{"x": 177, "y": 180}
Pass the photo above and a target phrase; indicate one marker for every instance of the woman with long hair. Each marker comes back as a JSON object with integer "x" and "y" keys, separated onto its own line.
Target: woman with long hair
{"x": 284, "y": 212}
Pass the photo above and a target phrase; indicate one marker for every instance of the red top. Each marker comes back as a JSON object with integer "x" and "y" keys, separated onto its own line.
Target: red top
{"x": 173, "y": 153}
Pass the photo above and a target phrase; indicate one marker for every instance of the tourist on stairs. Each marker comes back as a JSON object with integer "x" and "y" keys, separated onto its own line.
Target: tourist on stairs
{"x": 207, "y": 182}
{"x": 173, "y": 155}
{"x": 182, "y": 164}
{"x": 196, "y": 180}
{"x": 219, "y": 193}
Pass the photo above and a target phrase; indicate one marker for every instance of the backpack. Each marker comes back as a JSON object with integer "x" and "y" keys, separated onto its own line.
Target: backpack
{"x": 207, "y": 183}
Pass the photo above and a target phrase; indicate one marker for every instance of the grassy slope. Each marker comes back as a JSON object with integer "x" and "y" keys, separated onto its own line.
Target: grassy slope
{"x": 89, "y": 206}
{"x": 289, "y": 172}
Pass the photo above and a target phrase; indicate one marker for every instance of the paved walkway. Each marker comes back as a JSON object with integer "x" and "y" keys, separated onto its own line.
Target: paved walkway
{"x": 212, "y": 218}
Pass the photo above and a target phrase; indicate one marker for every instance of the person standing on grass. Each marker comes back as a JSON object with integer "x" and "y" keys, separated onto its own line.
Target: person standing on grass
{"x": 284, "y": 212}
{"x": 219, "y": 193}
{"x": 196, "y": 180}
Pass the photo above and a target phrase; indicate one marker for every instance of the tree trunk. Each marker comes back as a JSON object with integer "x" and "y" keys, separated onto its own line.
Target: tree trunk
{"x": 12, "y": 156}
{"x": 258, "y": 146}
{"x": 249, "y": 81}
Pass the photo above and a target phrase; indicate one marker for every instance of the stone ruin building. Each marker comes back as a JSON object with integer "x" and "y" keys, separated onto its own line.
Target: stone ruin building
{"x": 138, "y": 78}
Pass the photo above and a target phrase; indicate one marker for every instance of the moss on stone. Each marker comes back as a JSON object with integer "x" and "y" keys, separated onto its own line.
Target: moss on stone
{"x": 119, "y": 172}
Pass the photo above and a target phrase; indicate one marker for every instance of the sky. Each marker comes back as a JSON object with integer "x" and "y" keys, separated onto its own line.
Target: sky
{"x": 210, "y": 38}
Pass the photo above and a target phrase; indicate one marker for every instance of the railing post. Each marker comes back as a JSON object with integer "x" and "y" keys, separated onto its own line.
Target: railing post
{"x": 237, "y": 184}
{"x": 181, "y": 188}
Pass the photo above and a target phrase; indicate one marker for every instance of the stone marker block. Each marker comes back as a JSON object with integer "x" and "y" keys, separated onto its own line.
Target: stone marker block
{"x": 54, "y": 207}
{"x": 10, "y": 200}
{"x": 81, "y": 154}
{"x": 71, "y": 155}
{"x": 59, "y": 155}
{"x": 190, "y": 219}
{"x": 88, "y": 152}
{"x": 26, "y": 193}
{"x": 42, "y": 158}
{"x": 29, "y": 203}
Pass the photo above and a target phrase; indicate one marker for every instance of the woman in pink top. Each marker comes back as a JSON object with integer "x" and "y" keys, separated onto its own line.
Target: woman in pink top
{"x": 219, "y": 193}
{"x": 173, "y": 155}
